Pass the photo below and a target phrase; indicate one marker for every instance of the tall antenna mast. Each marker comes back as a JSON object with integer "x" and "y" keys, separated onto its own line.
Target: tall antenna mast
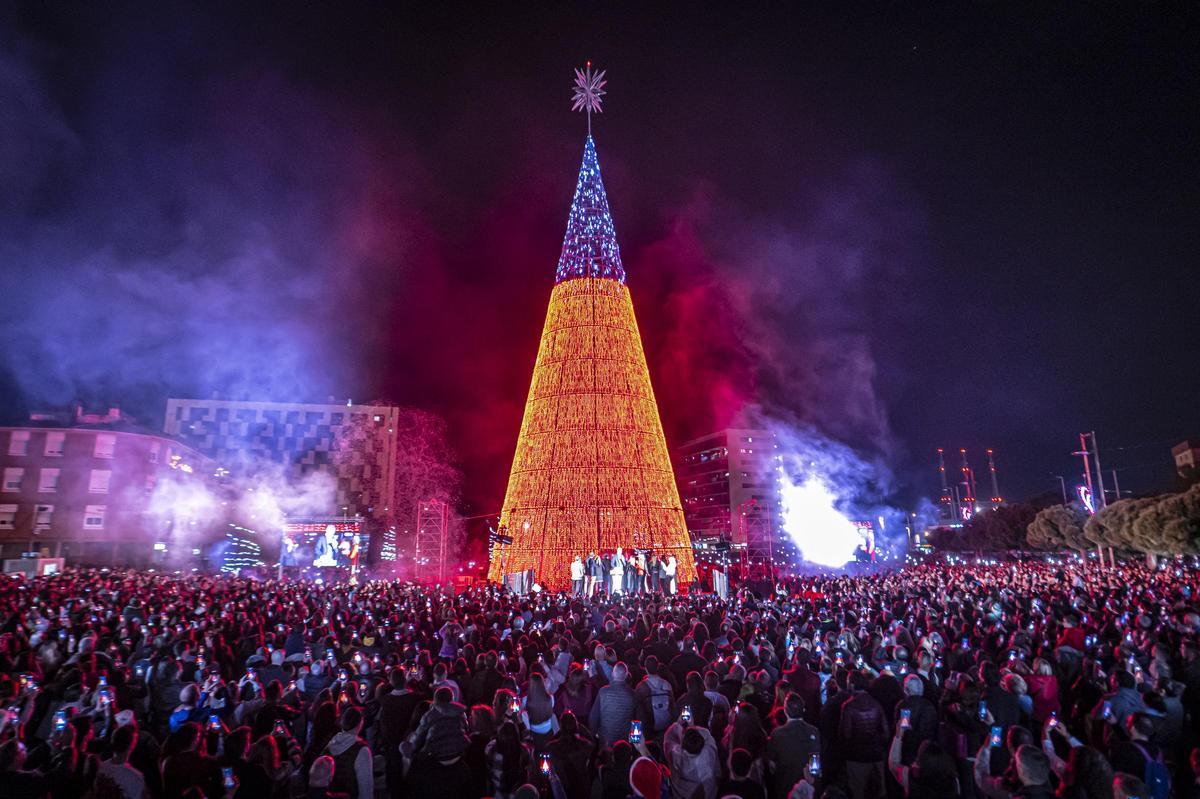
{"x": 968, "y": 482}
{"x": 996, "y": 498}
{"x": 586, "y": 94}
{"x": 947, "y": 500}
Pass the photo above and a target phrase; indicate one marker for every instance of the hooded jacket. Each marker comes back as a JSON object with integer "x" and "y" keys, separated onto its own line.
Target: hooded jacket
{"x": 691, "y": 773}
{"x": 363, "y": 773}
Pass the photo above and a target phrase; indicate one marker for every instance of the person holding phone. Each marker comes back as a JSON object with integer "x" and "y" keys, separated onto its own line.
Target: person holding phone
{"x": 862, "y": 736}
{"x": 570, "y": 755}
{"x": 922, "y": 724}
{"x": 789, "y": 747}
{"x": 1122, "y": 701}
{"x": 934, "y": 771}
{"x": 1032, "y": 770}
{"x": 615, "y": 706}
{"x": 691, "y": 754}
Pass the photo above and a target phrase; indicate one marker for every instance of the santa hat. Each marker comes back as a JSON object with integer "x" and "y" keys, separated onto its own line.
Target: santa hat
{"x": 645, "y": 777}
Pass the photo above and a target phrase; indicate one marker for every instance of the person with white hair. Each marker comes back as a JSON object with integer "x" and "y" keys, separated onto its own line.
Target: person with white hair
{"x": 918, "y": 716}
{"x": 614, "y": 707}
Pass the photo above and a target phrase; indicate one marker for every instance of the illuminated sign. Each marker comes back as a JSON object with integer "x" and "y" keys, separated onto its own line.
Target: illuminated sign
{"x": 1085, "y": 496}
{"x": 320, "y": 527}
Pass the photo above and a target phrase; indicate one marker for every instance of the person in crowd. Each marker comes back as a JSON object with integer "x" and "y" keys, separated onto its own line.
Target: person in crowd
{"x": 577, "y": 572}
{"x": 740, "y": 783}
{"x": 1138, "y": 755}
{"x": 646, "y": 778}
{"x": 571, "y": 754}
{"x": 617, "y": 571}
{"x": 1032, "y": 771}
{"x": 669, "y": 572}
{"x": 260, "y": 687}
{"x": 1043, "y": 690}
{"x": 917, "y": 715}
{"x": 790, "y": 748}
{"x": 186, "y": 766}
{"x": 932, "y": 774}
{"x": 115, "y": 777}
{"x": 353, "y": 770}
{"x": 691, "y": 754}
{"x": 320, "y": 777}
{"x": 253, "y": 778}
{"x": 1127, "y": 786}
{"x": 508, "y": 762}
{"x": 591, "y": 574}
{"x": 19, "y": 782}
{"x": 442, "y": 732}
{"x": 613, "y": 771}
{"x": 615, "y": 707}
{"x": 862, "y": 735}
{"x": 655, "y": 697}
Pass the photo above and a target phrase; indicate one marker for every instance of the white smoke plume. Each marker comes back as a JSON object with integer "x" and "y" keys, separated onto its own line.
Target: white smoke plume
{"x": 825, "y": 487}
{"x": 190, "y": 510}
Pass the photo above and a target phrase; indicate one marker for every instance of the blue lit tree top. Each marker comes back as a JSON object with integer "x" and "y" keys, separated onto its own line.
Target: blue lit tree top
{"x": 590, "y": 244}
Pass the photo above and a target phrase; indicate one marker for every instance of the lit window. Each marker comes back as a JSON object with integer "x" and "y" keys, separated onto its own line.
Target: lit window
{"x": 12, "y": 478}
{"x": 48, "y": 481}
{"x": 99, "y": 481}
{"x": 8, "y": 514}
{"x": 106, "y": 443}
{"x": 18, "y": 444}
{"x": 42, "y": 517}
{"x": 54, "y": 444}
{"x": 93, "y": 517}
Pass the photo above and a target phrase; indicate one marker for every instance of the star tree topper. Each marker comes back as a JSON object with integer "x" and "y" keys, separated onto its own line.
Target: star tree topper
{"x": 589, "y": 88}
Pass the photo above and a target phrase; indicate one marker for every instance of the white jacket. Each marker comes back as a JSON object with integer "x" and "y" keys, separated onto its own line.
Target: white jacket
{"x": 692, "y": 772}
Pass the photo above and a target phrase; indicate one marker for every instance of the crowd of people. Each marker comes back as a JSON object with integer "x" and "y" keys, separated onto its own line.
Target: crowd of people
{"x": 640, "y": 571}
{"x": 991, "y": 681}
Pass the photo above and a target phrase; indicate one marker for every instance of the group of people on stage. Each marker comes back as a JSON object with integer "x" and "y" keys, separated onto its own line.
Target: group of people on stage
{"x": 641, "y": 571}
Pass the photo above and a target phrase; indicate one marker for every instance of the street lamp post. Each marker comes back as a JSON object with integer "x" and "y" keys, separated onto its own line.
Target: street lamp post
{"x": 1063, "y": 485}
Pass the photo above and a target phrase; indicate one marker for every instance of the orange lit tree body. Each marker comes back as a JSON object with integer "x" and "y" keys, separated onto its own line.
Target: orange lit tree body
{"x": 591, "y": 471}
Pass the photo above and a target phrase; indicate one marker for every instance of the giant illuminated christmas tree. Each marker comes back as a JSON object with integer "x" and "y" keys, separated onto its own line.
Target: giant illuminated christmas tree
{"x": 591, "y": 471}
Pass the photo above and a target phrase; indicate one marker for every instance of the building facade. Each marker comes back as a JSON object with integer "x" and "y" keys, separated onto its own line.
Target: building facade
{"x": 82, "y": 487}
{"x": 354, "y": 444}
{"x": 720, "y": 475}
{"x": 1187, "y": 457}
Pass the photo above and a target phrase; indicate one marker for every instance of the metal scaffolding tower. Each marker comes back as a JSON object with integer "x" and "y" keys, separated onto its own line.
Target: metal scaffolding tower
{"x": 755, "y": 519}
{"x": 433, "y": 517}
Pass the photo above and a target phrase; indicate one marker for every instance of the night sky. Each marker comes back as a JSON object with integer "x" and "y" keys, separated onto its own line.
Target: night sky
{"x": 896, "y": 228}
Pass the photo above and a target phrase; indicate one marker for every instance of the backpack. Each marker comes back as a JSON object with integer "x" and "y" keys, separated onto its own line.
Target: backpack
{"x": 1158, "y": 776}
{"x": 660, "y": 706}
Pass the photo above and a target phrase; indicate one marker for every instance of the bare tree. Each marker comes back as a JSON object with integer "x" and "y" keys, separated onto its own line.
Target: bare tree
{"x": 425, "y": 468}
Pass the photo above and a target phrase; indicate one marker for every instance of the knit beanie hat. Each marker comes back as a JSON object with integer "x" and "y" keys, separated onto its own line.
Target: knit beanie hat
{"x": 645, "y": 777}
